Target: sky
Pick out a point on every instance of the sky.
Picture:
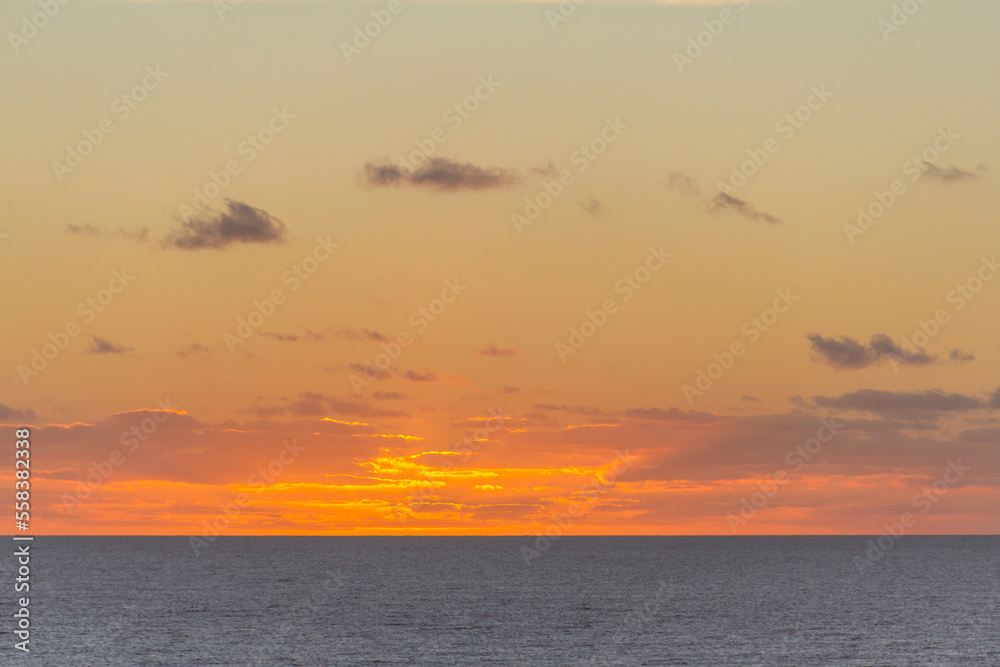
(502, 267)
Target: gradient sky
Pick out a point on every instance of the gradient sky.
(388, 457)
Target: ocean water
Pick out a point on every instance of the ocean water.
(714, 601)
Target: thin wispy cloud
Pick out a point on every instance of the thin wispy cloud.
(729, 203)
(104, 346)
(139, 236)
(848, 353)
(440, 174)
(239, 223)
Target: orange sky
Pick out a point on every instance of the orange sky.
(494, 275)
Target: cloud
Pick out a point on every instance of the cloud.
(724, 202)
(494, 351)
(509, 390)
(312, 404)
(362, 335)
(750, 399)
(423, 376)
(104, 346)
(141, 236)
(682, 183)
(240, 223)
(871, 400)
(195, 350)
(593, 207)
(9, 414)
(953, 174)
(441, 174)
(847, 353)
(958, 356)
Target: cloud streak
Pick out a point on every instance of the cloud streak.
(440, 174)
(239, 223)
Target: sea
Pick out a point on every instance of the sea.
(458, 601)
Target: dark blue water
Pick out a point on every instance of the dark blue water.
(247, 601)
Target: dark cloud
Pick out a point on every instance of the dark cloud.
(724, 202)
(847, 353)
(140, 236)
(669, 415)
(440, 174)
(495, 351)
(240, 223)
(423, 376)
(682, 183)
(194, 350)
(958, 356)
(953, 174)
(593, 207)
(871, 400)
(509, 390)
(995, 398)
(751, 399)
(362, 335)
(312, 404)
(103, 346)
(9, 414)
